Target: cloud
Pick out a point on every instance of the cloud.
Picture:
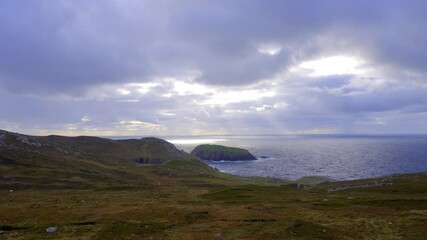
(85, 119)
(66, 46)
(135, 125)
(166, 67)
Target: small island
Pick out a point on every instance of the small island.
(220, 153)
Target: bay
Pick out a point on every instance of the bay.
(341, 157)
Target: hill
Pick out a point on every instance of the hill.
(84, 162)
(218, 153)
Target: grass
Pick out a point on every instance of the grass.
(181, 211)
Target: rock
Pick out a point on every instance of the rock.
(148, 160)
(219, 153)
(52, 229)
(218, 235)
(377, 183)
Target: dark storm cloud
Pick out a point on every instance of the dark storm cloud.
(62, 46)
(65, 46)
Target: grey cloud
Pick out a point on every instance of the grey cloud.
(75, 48)
(391, 99)
(50, 46)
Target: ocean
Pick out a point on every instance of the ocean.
(340, 157)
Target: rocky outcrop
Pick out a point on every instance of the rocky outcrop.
(222, 153)
(376, 183)
(148, 160)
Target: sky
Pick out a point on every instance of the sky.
(199, 67)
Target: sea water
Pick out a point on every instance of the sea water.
(339, 157)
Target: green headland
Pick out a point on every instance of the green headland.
(218, 152)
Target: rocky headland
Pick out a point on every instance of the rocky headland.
(221, 153)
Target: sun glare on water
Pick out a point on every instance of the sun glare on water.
(196, 141)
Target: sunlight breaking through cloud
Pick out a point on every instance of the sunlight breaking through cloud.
(185, 88)
(134, 125)
(335, 65)
(237, 96)
(85, 119)
(270, 49)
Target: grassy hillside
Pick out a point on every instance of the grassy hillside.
(190, 210)
(93, 188)
(88, 162)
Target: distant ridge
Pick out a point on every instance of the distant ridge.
(149, 148)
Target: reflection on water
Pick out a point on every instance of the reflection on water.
(196, 141)
(338, 157)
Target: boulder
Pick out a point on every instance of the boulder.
(51, 229)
